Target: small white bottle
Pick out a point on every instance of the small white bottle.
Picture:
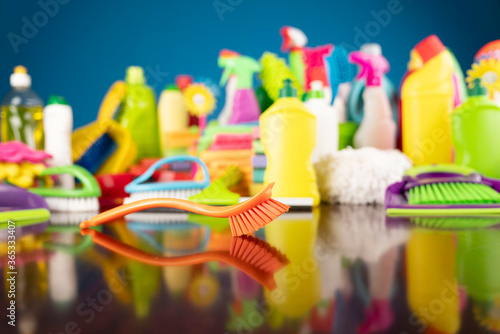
(327, 129)
(58, 125)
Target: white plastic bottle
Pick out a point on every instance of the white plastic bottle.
(327, 128)
(58, 125)
(172, 114)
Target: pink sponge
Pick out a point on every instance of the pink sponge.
(17, 152)
(232, 141)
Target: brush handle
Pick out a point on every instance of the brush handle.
(440, 168)
(202, 209)
(138, 184)
(413, 182)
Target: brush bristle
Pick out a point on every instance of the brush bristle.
(72, 204)
(70, 218)
(178, 194)
(258, 253)
(257, 217)
(453, 193)
(157, 218)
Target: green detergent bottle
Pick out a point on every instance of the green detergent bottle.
(138, 114)
(475, 130)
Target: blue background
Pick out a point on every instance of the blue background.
(87, 45)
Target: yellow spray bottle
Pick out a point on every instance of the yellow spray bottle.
(288, 135)
(427, 97)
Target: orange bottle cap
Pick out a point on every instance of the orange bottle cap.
(429, 47)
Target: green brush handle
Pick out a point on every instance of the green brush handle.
(440, 168)
(90, 187)
(24, 217)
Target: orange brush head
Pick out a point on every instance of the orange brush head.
(256, 216)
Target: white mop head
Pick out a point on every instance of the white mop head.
(359, 176)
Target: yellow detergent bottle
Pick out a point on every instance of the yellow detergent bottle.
(433, 293)
(288, 135)
(427, 97)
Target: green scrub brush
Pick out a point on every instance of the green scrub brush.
(274, 72)
(84, 199)
(443, 190)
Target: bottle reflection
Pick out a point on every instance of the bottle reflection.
(63, 281)
(433, 293)
(30, 280)
(370, 252)
(478, 257)
(146, 279)
(298, 284)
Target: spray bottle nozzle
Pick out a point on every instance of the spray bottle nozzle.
(373, 67)
(242, 66)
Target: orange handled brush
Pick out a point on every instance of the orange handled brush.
(244, 217)
(253, 256)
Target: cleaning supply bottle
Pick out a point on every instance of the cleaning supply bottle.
(294, 41)
(231, 87)
(288, 135)
(377, 128)
(138, 114)
(22, 111)
(475, 129)
(172, 114)
(427, 97)
(58, 126)
(355, 102)
(246, 108)
(327, 125)
(316, 67)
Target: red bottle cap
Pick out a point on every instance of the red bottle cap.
(183, 80)
(429, 47)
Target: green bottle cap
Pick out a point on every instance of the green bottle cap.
(135, 75)
(57, 99)
(316, 90)
(477, 89)
(288, 90)
(171, 86)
